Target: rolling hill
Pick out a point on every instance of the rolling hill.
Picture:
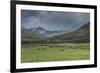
(80, 35)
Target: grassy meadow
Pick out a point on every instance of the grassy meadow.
(54, 52)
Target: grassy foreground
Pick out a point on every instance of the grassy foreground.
(54, 52)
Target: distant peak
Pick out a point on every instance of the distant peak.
(40, 27)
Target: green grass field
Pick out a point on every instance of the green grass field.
(54, 52)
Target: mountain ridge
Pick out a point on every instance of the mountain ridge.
(45, 32)
(80, 35)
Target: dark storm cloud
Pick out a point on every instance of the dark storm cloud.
(53, 20)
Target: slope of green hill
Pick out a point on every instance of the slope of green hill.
(80, 35)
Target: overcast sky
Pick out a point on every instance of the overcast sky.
(52, 20)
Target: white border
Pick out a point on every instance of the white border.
(20, 65)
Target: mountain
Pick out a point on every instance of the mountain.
(45, 32)
(38, 30)
(80, 35)
(27, 36)
(41, 35)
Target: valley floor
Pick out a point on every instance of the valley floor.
(54, 52)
